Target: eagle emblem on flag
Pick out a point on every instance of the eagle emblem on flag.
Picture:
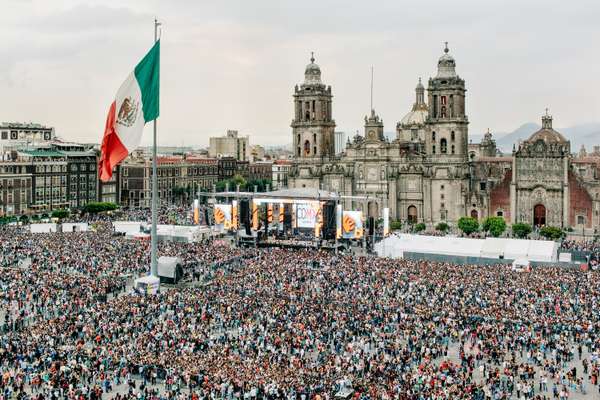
(128, 112)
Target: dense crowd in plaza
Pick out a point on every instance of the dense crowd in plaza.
(270, 323)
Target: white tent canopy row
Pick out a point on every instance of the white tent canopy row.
(534, 250)
(53, 227)
(172, 232)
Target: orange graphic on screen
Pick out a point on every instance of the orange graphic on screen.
(349, 224)
(219, 216)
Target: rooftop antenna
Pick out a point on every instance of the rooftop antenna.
(371, 88)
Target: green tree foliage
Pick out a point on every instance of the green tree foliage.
(468, 225)
(521, 230)
(7, 220)
(60, 214)
(442, 227)
(96, 207)
(420, 227)
(261, 184)
(495, 226)
(395, 225)
(551, 232)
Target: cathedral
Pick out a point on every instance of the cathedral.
(431, 172)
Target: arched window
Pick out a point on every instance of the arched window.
(452, 149)
(452, 136)
(443, 112)
(298, 151)
(433, 149)
(306, 147)
(299, 139)
(443, 146)
(433, 136)
(315, 137)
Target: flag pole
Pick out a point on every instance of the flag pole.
(153, 254)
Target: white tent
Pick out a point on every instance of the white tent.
(43, 228)
(389, 247)
(395, 246)
(542, 250)
(534, 250)
(183, 233)
(127, 226)
(75, 227)
(515, 248)
(148, 284)
(493, 248)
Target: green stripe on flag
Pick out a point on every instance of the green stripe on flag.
(147, 73)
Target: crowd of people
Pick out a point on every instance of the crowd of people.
(293, 324)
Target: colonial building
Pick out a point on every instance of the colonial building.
(177, 178)
(430, 172)
(48, 169)
(280, 170)
(15, 135)
(15, 188)
(82, 177)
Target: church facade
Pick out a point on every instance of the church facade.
(430, 172)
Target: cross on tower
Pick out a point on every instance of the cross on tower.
(446, 47)
(312, 56)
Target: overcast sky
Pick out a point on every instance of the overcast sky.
(233, 64)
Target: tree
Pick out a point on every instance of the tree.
(495, 226)
(179, 192)
(551, 232)
(96, 207)
(521, 230)
(60, 214)
(395, 225)
(442, 227)
(468, 225)
(237, 179)
(420, 227)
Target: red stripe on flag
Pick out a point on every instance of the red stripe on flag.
(112, 151)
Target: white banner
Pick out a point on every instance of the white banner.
(306, 214)
(386, 221)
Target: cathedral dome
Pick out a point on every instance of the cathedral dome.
(419, 112)
(548, 136)
(312, 73)
(415, 117)
(547, 133)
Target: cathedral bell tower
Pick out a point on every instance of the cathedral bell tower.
(447, 132)
(312, 126)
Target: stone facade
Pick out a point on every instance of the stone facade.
(429, 173)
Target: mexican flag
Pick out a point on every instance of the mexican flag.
(135, 104)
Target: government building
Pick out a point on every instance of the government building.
(431, 172)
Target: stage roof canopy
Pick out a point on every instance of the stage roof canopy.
(299, 193)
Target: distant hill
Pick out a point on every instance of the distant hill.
(587, 134)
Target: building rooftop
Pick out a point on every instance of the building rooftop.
(26, 125)
(42, 153)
